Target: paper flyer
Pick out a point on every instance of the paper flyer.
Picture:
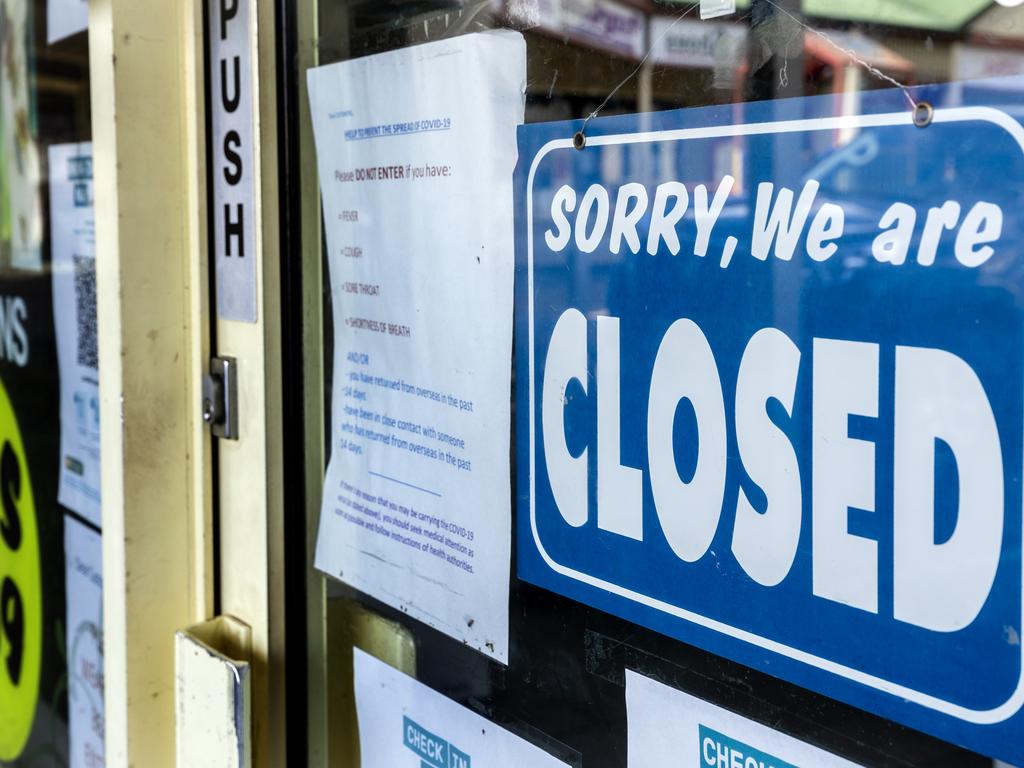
(74, 308)
(65, 18)
(670, 728)
(405, 724)
(83, 557)
(416, 149)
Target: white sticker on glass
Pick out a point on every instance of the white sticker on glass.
(712, 9)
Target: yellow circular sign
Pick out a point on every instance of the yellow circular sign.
(21, 604)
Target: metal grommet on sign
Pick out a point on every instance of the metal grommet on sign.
(923, 114)
(579, 140)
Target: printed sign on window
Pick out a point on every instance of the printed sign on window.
(668, 728)
(73, 254)
(416, 149)
(405, 724)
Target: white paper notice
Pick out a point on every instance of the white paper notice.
(416, 150)
(712, 9)
(65, 18)
(83, 557)
(669, 728)
(73, 248)
(405, 724)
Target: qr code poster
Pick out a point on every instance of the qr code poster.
(73, 249)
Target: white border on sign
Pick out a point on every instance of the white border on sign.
(951, 115)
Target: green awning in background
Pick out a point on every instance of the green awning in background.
(939, 15)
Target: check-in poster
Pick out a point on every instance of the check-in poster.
(406, 724)
(770, 390)
(669, 728)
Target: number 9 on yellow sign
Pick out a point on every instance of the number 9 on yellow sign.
(21, 607)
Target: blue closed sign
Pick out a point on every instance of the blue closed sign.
(770, 391)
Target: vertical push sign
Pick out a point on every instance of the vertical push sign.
(770, 391)
(231, 150)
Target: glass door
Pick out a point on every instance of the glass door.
(601, 72)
